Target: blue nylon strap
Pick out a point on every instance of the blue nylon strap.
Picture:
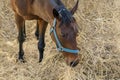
(59, 46)
(68, 50)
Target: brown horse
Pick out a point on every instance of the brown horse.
(63, 31)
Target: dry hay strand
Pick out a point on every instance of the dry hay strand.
(99, 41)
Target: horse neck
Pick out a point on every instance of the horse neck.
(45, 8)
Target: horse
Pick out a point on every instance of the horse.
(64, 28)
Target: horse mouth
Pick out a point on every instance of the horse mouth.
(74, 64)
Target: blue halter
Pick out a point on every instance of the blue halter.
(58, 44)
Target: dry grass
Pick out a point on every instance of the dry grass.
(99, 40)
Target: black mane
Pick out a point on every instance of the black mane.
(66, 16)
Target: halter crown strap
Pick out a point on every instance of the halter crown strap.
(58, 44)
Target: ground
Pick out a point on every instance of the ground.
(99, 41)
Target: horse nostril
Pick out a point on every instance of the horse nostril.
(73, 64)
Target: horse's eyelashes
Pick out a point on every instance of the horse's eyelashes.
(62, 34)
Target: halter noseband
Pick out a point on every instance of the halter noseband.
(58, 44)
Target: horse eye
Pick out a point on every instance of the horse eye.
(63, 35)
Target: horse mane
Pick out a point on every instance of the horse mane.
(59, 2)
(65, 16)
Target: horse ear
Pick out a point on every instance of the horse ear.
(55, 13)
(74, 8)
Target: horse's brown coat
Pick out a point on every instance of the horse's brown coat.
(42, 11)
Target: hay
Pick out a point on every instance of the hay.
(99, 40)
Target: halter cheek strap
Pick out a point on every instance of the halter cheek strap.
(58, 44)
